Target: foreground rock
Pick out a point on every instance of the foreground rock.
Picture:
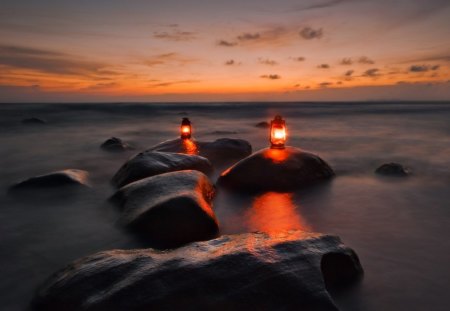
(70, 178)
(276, 169)
(115, 144)
(149, 163)
(34, 120)
(254, 271)
(393, 169)
(170, 209)
(221, 152)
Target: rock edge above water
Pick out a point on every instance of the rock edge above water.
(256, 271)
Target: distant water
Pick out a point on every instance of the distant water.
(399, 228)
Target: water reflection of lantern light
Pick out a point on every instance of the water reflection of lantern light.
(186, 128)
(277, 133)
(274, 212)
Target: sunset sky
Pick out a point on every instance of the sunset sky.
(199, 50)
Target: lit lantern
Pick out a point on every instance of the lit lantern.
(277, 133)
(186, 128)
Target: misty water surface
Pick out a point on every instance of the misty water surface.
(398, 227)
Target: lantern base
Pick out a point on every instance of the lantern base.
(277, 146)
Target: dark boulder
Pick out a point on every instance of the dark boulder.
(225, 151)
(34, 120)
(393, 169)
(276, 170)
(170, 209)
(59, 179)
(263, 125)
(150, 163)
(115, 144)
(221, 152)
(253, 271)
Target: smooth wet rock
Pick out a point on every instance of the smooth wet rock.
(276, 170)
(263, 125)
(223, 132)
(151, 163)
(115, 144)
(66, 178)
(34, 120)
(170, 209)
(221, 152)
(225, 151)
(177, 145)
(393, 169)
(254, 271)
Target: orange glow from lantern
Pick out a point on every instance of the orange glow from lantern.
(275, 212)
(186, 128)
(276, 155)
(277, 133)
(189, 146)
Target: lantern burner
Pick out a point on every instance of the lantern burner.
(186, 129)
(277, 133)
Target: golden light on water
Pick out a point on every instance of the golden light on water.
(274, 212)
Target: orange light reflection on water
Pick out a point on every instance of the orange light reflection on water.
(274, 212)
(189, 146)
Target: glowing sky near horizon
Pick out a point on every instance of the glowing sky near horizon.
(224, 50)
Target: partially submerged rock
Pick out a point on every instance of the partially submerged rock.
(178, 145)
(393, 169)
(65, 178)
(221, 152)
(263, 125)
(277, 170)
(225, 151)
(170, 209)
(150, 163)
(115, 144)
(254, 271)
(34, 120)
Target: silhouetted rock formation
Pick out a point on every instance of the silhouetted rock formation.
(393, 169)
(34, 120)
(58, 179)
(221, 152)
(150, 163)
(263, 125)
(276, 169)
(170, 209)
(225, 151)
(115, 144)
(253, 271)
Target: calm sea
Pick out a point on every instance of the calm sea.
(399, 227)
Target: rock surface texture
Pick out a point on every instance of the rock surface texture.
(393, 169)
(58, 179)
(34, 120)
(276, 170)
(225, 151)
(151, 163)
(254, 271)
(221, 152)
(170, 209)
(263, 125)
(115, 144)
